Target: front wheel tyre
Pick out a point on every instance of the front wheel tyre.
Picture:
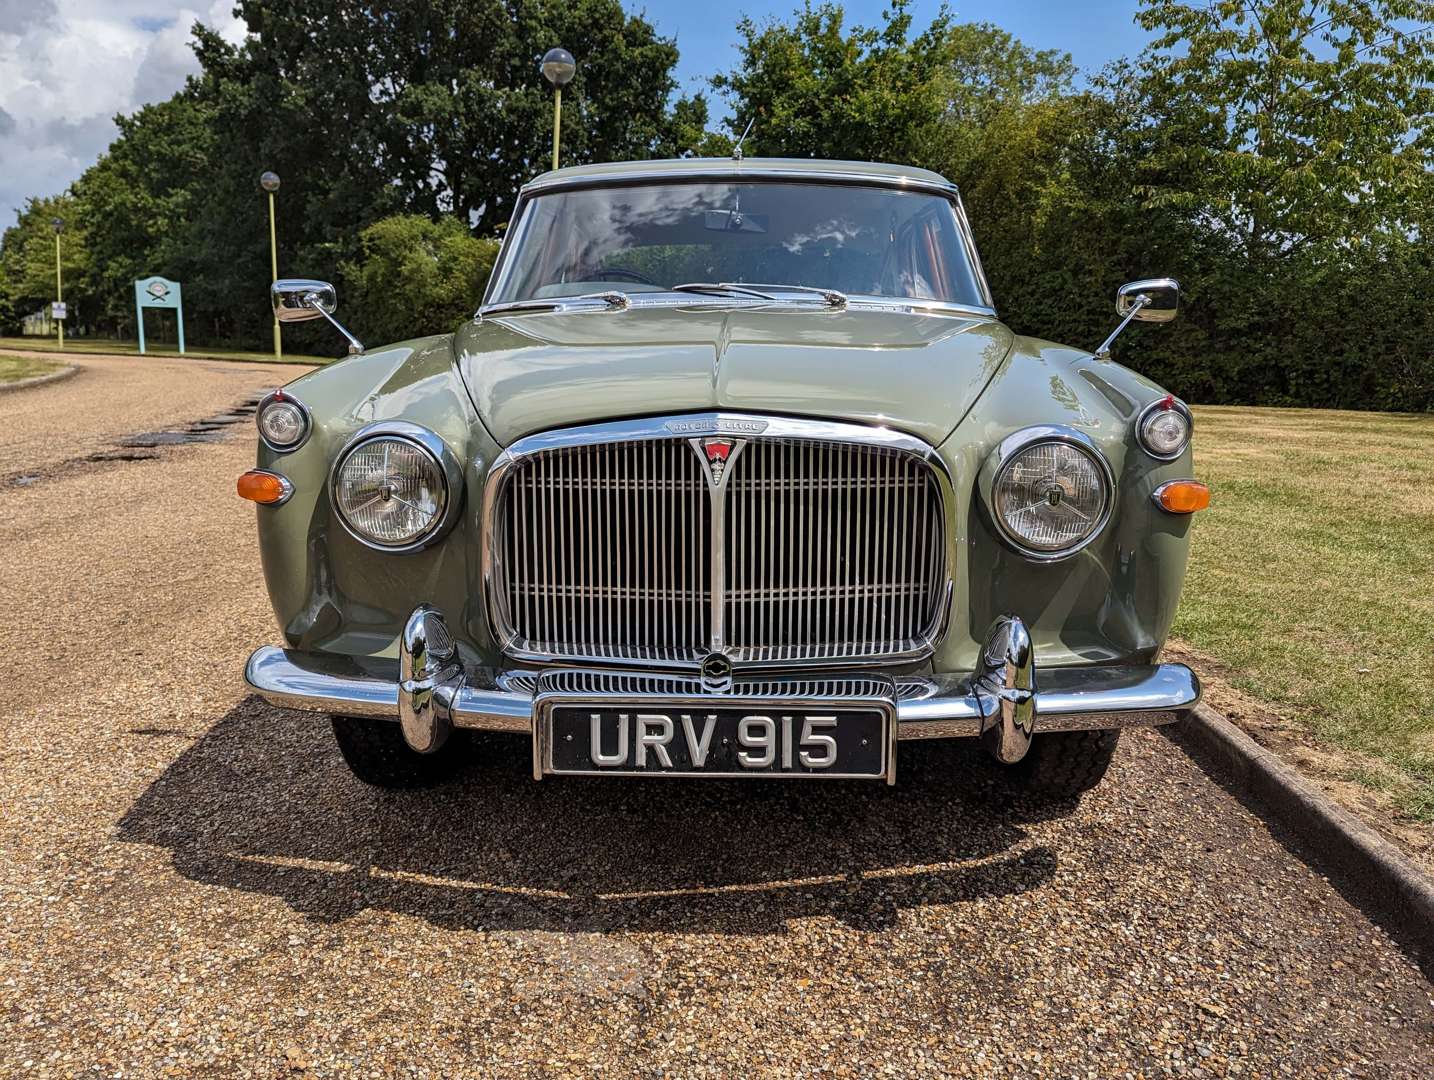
(1064, 765)
(375, 752)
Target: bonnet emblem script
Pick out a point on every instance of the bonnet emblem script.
(716, 425)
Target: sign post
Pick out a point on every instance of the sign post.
(58, 307)
(158, 292)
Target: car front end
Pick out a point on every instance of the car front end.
(728, 529)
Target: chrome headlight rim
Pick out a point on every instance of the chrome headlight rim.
(276, 396)
(1160, 405)
(433, 446)
(1004, 457)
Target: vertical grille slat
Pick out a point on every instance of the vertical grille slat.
(832, 551)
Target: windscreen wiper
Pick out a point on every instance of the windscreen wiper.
(598, 301)
(720, 288)
(831, 296)
(762, 292)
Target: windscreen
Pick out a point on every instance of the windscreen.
(649, 237)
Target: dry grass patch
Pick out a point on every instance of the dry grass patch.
(111, 347)
(15, 368)
(1312, 579)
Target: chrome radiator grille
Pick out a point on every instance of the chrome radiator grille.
(607, 552)
(833, 551)
(815, 550)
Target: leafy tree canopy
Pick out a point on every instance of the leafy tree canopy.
(812, 88)
(1290, 122)
(27, 258)
(414, 275)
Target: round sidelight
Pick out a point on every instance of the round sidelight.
(1052, 496)
(1163, 428)
(283, 421)
(391, 491)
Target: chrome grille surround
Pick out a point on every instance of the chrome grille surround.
(749, 558)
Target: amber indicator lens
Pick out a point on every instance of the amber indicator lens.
(1183, 496)
(259, 486)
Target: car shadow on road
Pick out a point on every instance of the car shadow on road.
(262, 802)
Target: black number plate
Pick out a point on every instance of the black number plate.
(750, 740)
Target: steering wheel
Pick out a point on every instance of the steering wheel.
(620, 273)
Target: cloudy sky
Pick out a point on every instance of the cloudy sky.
(68, 66)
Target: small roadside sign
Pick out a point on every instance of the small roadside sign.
(57, 310)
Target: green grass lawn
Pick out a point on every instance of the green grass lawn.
(107, 345)
(1312, 578)
(15, 368)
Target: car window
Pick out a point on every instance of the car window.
(650, 237)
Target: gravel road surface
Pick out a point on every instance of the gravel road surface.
(191, 883)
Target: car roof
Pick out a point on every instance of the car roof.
(743, 168)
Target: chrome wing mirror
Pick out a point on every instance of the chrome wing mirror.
(301, 299)
(1155, 300)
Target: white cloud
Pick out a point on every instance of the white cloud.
(68, 66)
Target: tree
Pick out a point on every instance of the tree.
(415, 276)
(1290, 122)
(27, 261)
(989, 71)
(137, 202)
(429, 107)
(813, 89)
(441, 101)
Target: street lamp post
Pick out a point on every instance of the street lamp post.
(558, 67)
(270, 183)
(59, 284)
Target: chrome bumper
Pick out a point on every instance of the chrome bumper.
(994, 703)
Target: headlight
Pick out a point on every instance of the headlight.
(1052, 495)
(283, 421)
(391, 491)
(1163, 428)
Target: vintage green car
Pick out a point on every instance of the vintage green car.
(734, 473)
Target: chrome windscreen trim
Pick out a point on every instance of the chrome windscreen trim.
(901, 305)
(752, 428)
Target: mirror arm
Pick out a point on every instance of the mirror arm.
(311, 300)
(1103, 353)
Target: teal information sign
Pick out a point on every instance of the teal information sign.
(158, 292)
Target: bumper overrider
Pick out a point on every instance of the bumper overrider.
(1000, 703)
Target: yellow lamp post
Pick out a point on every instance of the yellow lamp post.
(270, 183)
(558, 67)
(59, 284)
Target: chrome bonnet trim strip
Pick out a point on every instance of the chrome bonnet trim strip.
(928, 707)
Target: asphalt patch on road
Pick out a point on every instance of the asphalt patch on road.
(145, 445)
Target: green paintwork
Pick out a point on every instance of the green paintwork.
(532, 373)
(960, 382)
